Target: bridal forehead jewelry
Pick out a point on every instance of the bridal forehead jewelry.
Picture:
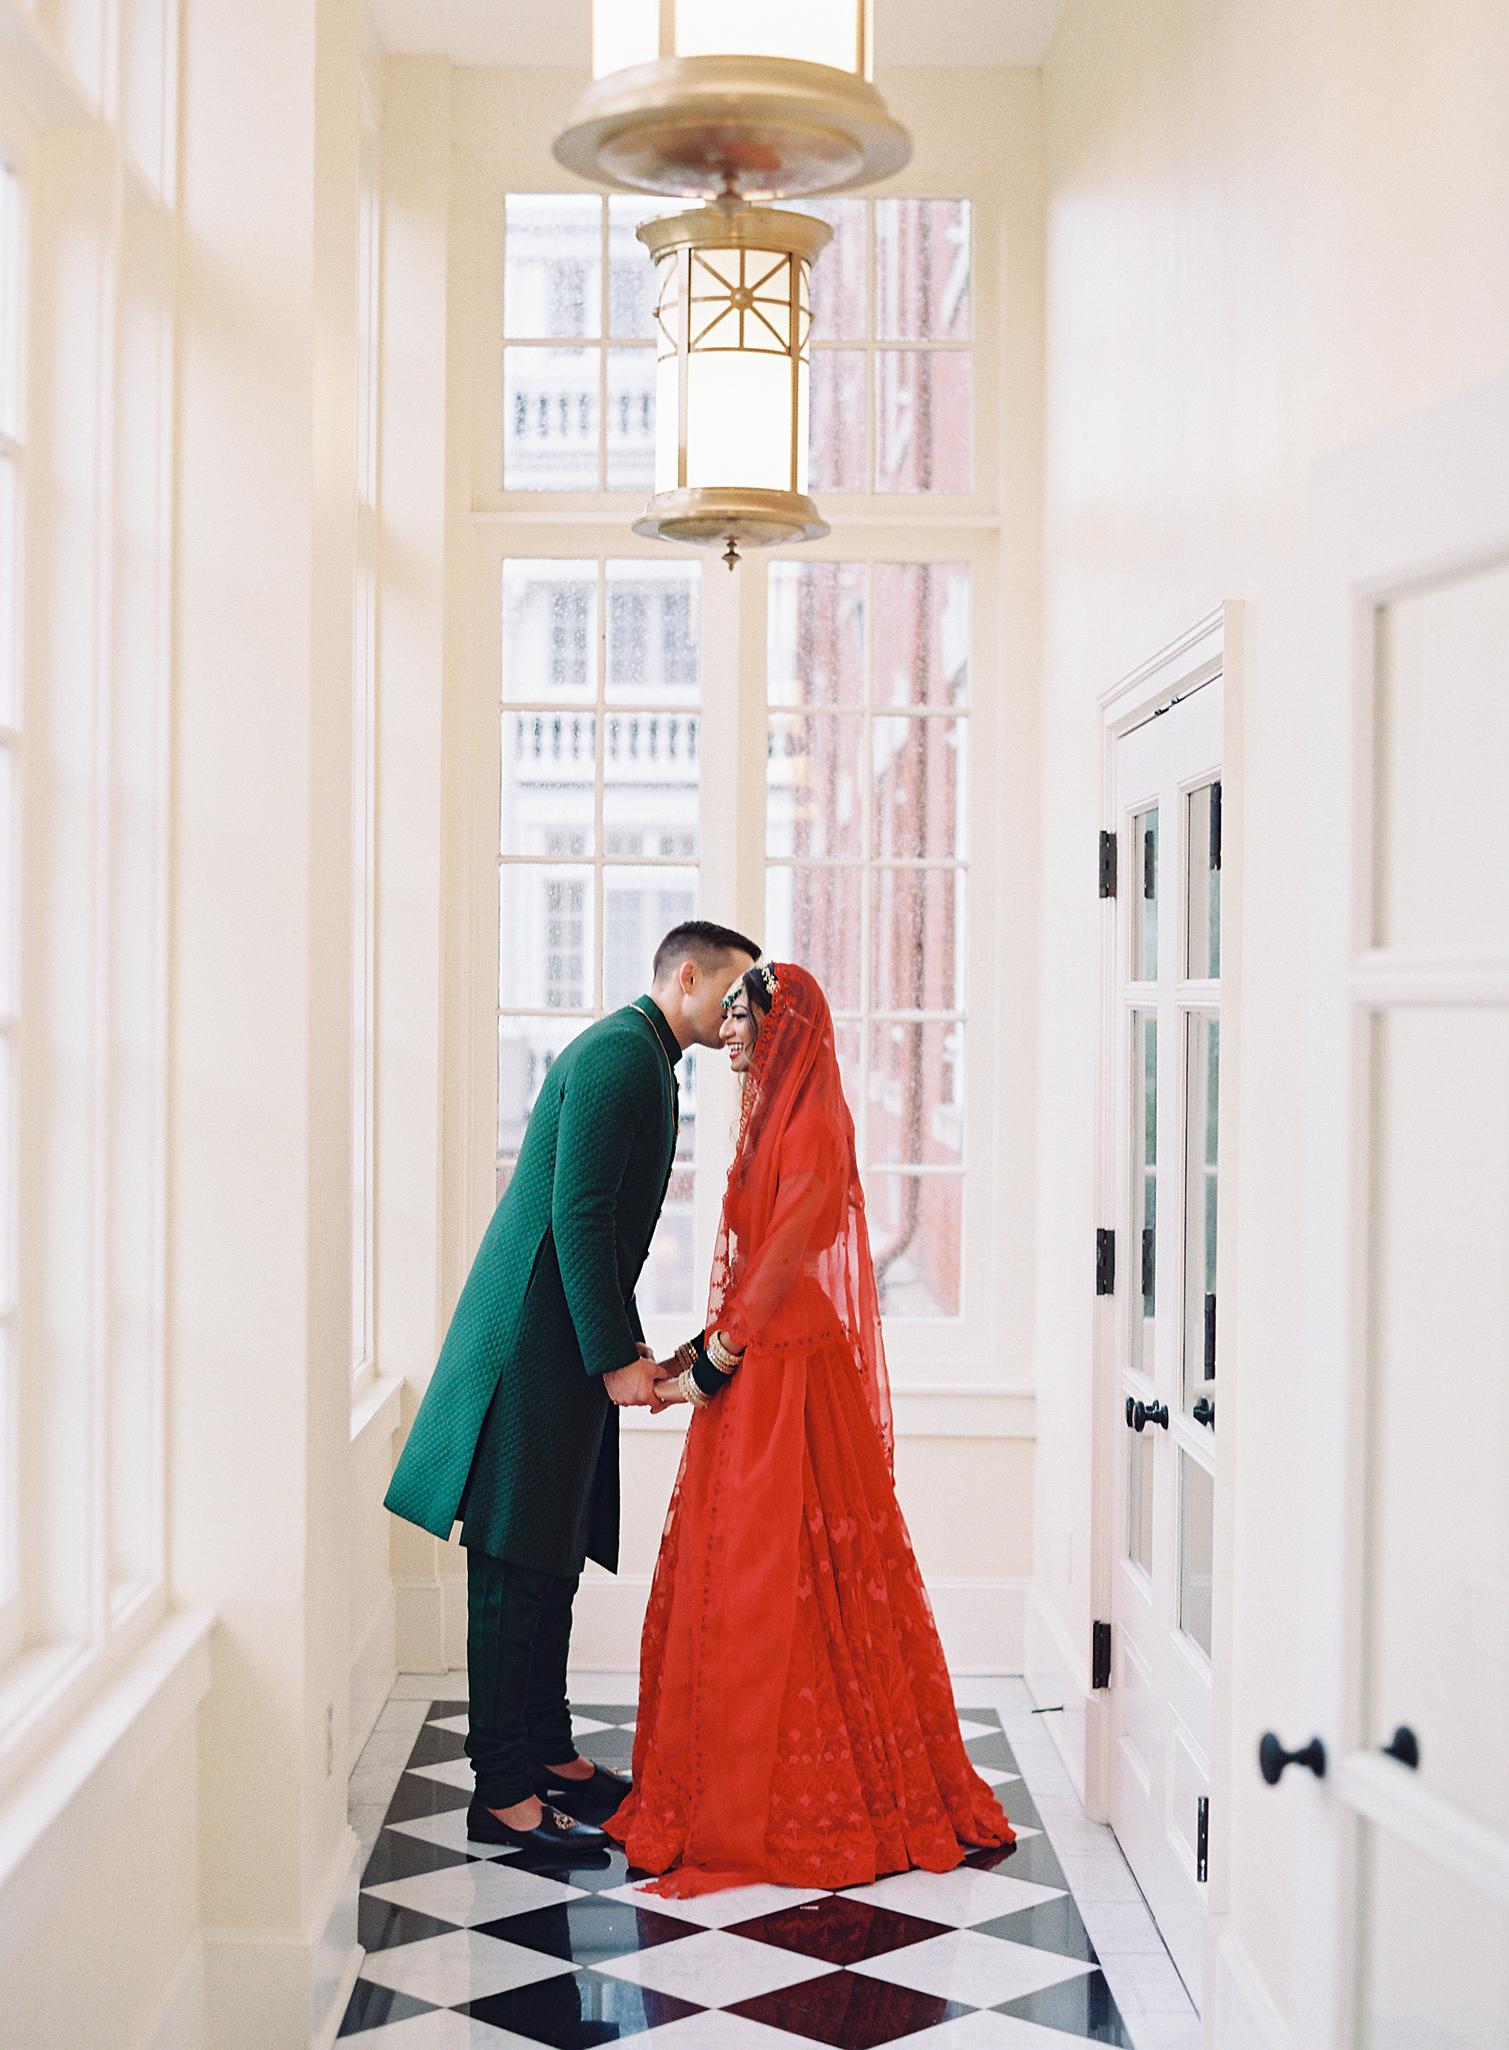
(767, 976)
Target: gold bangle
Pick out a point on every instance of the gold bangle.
(686, 1355)
(722, 1358)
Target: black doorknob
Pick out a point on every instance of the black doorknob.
(1204, 1412)
(1158, 1414)
(1405, 1746)
(1272, 1758)
(1140, 1414)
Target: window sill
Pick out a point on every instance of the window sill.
(49, 1818)
(375, 1409)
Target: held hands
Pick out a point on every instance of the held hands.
(640, 1385)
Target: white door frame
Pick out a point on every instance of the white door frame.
(1209, 648)
(1423, 502)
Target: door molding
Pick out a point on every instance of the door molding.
(1425, 502)
(1208, 648)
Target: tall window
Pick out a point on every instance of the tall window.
(11, 458)
(828, 693)
(364, 737)
(599, 832)
(868, 689)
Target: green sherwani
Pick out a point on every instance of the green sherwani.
(516, 1435)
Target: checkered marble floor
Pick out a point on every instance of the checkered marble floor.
(469, 1949)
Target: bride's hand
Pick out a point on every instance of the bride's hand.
(667, 1389)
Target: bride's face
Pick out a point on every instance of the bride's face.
(740, 1028)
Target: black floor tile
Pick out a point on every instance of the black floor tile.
(436, 1747)
(839, 1930)
(587, 1931)
(1052, 1925)
(415, 1796)
(578, 2009)
(396, 1856)
(1080, 2007)
(849, 2011)
(371, 2006)
(380, 1925)
(613, 1870)
(1031, 1858)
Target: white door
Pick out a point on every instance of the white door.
(1406, 1892)
(1165, 1068)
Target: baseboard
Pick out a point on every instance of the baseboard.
(177, 2019)
(982, 1623)
(1059, 1680)
(272, 1986)
(1241, 2012)
(374, 1666)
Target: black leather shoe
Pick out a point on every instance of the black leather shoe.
(595, 1798)
(556, 1835)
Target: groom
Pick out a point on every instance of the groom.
(517, 1434)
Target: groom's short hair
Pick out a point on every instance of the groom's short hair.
(703, 942)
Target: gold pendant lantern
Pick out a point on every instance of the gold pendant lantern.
(763, 101)
(733, 318)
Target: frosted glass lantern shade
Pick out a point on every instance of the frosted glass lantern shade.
(831, 32)
(733, 317)
(698, 97)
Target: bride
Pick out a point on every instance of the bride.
(796, 1721)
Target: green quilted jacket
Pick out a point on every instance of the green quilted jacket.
(515, 1435)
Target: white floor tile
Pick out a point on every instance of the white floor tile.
(386, 1748)
(449, 1831)
(968, 1729)
(958, 1898)
(403, 1715)
(1119, 1928)
(372, 1785)
(584, 1725)
(1149, 1986)
(716, 1910)
(452, 1772)
(993, 1776)
(442, 2029)
(981, 1971)
(717, 2031)
(715, 1968)
(458, 1725)
(984, 2031)
(1096, 1875)
(479, 1892)
(458, 1966)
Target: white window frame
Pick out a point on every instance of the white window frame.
(941, 1356)
(366, 601)
(96, 668)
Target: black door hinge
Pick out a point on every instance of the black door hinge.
(1105, 1262)
(1202, 1838)
(1215, 825)
(1149, 1266)
(1108, 864)
(1100, 1655)
(1210, 1338)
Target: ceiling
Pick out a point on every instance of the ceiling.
(529, 32)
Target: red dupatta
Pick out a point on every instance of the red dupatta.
(793, 1283)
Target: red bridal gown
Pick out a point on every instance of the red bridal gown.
(796, 1720)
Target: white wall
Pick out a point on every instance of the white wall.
(1272, 229)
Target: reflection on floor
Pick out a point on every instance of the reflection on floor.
(1036, 1948)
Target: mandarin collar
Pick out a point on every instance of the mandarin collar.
(668, 1039)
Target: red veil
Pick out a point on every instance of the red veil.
(796, 1719)
(794, 1208)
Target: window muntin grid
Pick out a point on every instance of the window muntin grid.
(892, 399)
(866, 879)
(599, 807)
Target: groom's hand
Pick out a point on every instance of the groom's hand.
(631, 1386)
